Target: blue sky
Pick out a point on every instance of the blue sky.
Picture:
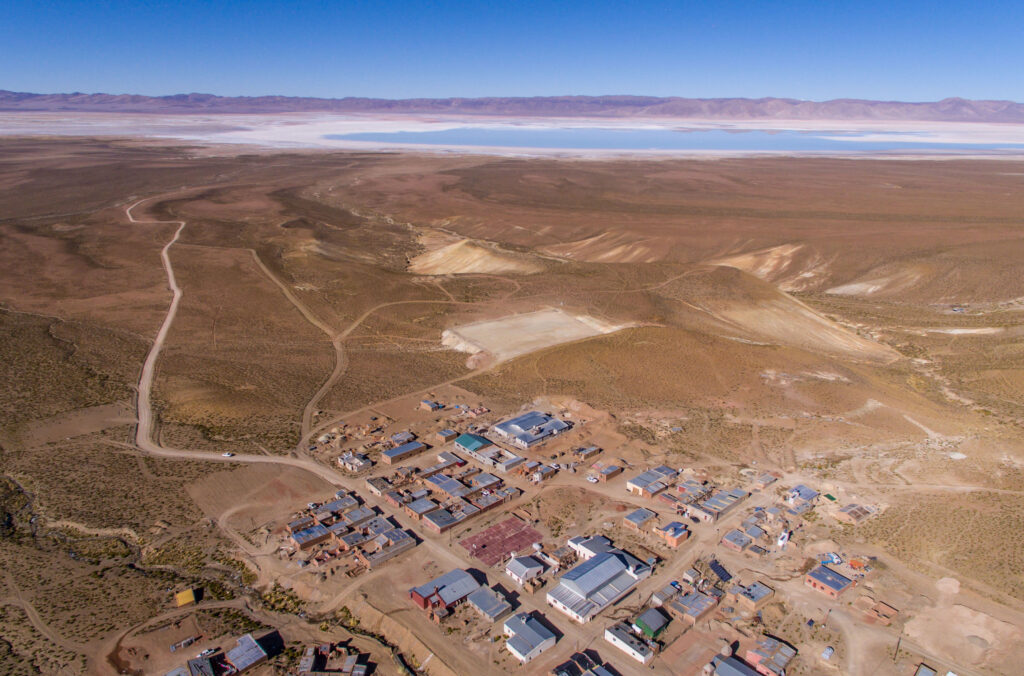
(910, 50)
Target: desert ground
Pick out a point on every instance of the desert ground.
(851, 324)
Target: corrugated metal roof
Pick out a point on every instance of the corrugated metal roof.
(520, 566)
(246, 653)
(489, 603)
(452, 586)
(527, 632)
(472, 442)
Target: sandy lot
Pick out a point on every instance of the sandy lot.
(519, 334)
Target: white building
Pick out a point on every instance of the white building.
(588, 547)
(622, 638)
(527, 637)
(594, 585)
(523, 568)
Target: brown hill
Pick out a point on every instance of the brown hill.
(946, 110)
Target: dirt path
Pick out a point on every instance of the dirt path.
(19, 600)
(121, 532)
(144, 430)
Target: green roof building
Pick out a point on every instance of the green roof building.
(651, 622)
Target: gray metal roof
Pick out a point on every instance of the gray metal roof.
(531, 427)
(738, 538)
(489, 603)
(399, 451)
(520, 566)
(422, 506)
(653, 619)
(802, 492)
(623, 634)
(527, 632)
(640, 516)
(595, 584)
(658, 474)
(756, 591)
(246, 653)
(732, 666)
(694, 604)
(450, 587)
(441, 518)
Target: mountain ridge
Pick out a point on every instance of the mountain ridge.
(612, 106)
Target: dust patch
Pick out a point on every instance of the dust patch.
(516, 335)
(963, 634)
(791, 267)
(790, 322)
(901, 280)
(467, 256)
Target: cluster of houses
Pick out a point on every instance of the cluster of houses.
(687, 496)
(345, 525)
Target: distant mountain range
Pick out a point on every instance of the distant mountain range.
(949, 110)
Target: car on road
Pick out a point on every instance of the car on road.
(208, 651)
(227, 454)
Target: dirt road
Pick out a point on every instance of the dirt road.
(144, 430)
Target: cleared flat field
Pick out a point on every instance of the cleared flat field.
(519, 334)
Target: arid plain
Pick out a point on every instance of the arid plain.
(852, 324)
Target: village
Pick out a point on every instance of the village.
(685, 571)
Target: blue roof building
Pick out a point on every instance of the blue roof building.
(827, 581)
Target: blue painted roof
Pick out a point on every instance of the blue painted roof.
(830, 578)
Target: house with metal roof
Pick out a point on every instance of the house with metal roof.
(692, 490)
(588, 547)
(523, 568)
(692, 607)
(664, 595)
(638, 518)
(770, 656)
(439, 520)
(723, 502)
(674, 533)
(489, 603)
(801, 494)
(754, 596)
(593, 585)
(530, 429)
(445, 591)
(471, 443)
(736, 540)
(417, 508)
(622, 638)
(305, 539)
(358, 516)
(581, 664)
(651, 622)
(400, 438)
(827, 581)
(651, 482)
(731, 666)
(527, 637)
(402, 452)
(246, 654)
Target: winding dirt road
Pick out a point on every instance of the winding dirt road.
(144, 429)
